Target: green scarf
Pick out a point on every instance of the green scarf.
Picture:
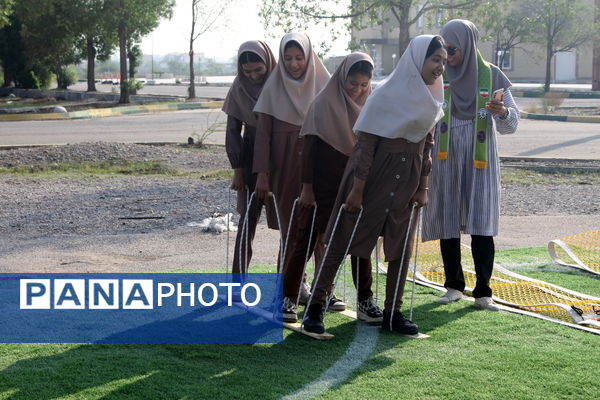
(480, 134)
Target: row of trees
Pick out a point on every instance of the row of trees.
(42, 37)
(555, 25)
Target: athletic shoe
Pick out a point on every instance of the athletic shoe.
(399, 324)
(370, 312)
(486, 303)
(304, 293)
(450, 296)
(314, 319)
(336, 305)
(289, 310)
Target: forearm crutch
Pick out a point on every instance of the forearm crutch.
(245, 228)
(244, 236)
(307, 256)
(316, 283)
(227, 239)
(414, 276)
(410, 220)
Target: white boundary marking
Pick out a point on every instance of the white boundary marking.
(357, 353)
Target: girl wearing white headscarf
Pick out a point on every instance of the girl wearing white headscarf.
(387, 174)
(255, 63)
(281, 108)
(465, 181)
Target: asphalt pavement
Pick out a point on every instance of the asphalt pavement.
(171, 250)
(534, 138)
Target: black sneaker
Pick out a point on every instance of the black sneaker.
(314, 319)
(399, 324)
(288, 310)
(369, 312)
(336, 305)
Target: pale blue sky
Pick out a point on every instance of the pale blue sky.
(244, 24)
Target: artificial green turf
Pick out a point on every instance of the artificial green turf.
(470, 354)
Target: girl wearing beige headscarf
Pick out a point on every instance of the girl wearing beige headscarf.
(255, 64)
(328, 140)
(387, 173)
(281, 108)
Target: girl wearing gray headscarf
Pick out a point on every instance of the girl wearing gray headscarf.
(465, 178)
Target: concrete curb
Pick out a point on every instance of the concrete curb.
(112, 112)
(127, 110)
(568, 95)
(561, 118)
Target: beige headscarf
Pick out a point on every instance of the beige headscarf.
(333, 113)
(242, 95)
(403, 106)
(286, 98)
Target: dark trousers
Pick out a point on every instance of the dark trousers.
(482, 249)
(296, 254)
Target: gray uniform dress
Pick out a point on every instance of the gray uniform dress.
(462, 198)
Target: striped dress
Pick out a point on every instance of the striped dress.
(462, 198)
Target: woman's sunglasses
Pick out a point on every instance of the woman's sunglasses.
(451, 50)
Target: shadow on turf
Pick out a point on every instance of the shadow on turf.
(192, 371)
(195, 370)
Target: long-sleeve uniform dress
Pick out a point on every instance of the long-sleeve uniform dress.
(392, 169)
(240, 151)
(277, 152)
(323, 167)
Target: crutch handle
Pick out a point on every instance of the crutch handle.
(343, 207)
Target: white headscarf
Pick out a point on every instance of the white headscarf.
(403, 106)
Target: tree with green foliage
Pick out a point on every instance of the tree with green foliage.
(6, 9)
(49, 31)
(561, 25)
(19, 69)
(135, 19)
(134, 56)
(507, 24)
(97, 34)
(358, 15)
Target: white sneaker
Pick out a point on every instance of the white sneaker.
(450, 296)
(486, 303)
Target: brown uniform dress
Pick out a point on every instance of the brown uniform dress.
(240, 151)
(323, 167)
(392, 169)
(277, 151)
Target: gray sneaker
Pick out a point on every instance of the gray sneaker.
(289, 310)
(370, 312)
(450, 296)
(304, 293)
(486, 303)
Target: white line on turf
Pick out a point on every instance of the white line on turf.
(359, 350)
